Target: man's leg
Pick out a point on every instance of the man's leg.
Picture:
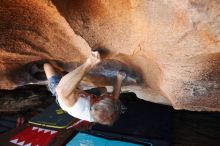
(49, 70)
(53, 78)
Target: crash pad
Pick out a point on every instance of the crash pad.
(33, 136)
(92, 140)
(53, 117)
(7, 123)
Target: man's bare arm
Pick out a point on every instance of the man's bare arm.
(117, 86)
(68, 84)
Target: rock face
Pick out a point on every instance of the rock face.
(24, 99)
(170, 49)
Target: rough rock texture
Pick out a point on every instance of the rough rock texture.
(24, 99)
(169, 48)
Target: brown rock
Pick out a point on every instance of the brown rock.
(170, 49)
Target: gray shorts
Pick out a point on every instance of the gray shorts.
(52, 84)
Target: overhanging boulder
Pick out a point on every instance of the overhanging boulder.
(170, 49)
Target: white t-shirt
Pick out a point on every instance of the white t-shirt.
(80, 110)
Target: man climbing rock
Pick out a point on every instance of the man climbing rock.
(103, 109)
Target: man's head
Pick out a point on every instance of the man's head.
(106, 111)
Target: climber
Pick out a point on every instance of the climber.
(104, 108)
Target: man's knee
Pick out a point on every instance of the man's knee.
(49, 70)
(47, 67)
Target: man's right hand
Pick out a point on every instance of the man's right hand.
(121, 75)
(94, 58)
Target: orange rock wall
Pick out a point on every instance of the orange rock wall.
(171, 47)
